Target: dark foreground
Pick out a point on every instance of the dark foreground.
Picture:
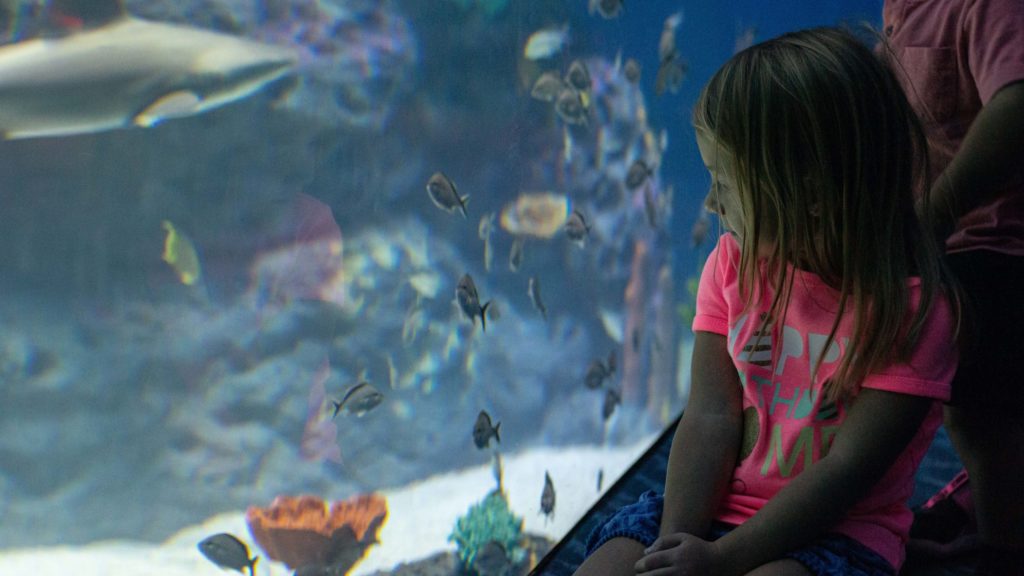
(648, 473)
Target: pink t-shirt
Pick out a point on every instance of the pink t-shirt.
(787, 424)
(956, 55)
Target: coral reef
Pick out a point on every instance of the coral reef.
(301, 531)
(489, 520)
(539, 214)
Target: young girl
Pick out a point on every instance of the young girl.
(825, 337)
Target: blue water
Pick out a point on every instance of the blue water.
(185, 294)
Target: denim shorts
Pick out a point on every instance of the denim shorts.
(830, 555)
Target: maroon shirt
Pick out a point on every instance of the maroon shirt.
(956, 54)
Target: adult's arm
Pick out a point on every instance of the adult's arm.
(990, 157)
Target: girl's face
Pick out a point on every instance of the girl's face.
(723, 198)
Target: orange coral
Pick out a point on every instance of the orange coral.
(540, 214)
(301, 531)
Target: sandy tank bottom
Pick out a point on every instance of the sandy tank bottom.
(420, 518)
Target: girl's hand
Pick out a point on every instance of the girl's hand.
(680, 554)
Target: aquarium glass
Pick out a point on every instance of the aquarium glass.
(355, 282)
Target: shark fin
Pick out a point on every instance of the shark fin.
(72, 15)
(172, 105)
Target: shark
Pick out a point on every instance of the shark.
(105, 69)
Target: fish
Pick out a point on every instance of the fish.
(608, 9)
(469, 300)
(115, 71)
(631, 71)
(600, 478)
(483, 430)
(598, 371)
(596, 374)
(671, 73)
(515, 254)
(667, 40)
(611, 400)
(699, 231)
(570, 107)
(671, 66)
(484, 230)
(578, 76)
(444, 195)
(576, 227)
(358, 400)
(545, 43)
(180, 254)
(547, 87)
(320, 434)
(533, 291)
(637, 174)
(228, 552)
(612, 322)
(547, 497)
(492, 560)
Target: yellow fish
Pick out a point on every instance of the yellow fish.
(181, 255)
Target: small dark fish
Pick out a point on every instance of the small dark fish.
(578, 76)
(576, 227)
(547, 87)
(515, 253)
(637, 174)
(533, 290)
(596, 373)
(611, 400)
(570, 106)
(700, 229)
(667, 40)
(547, 497)
(600, 479)
(671, 73)
(611, 365)
(469, 301)
(483, 430)
(492, 560)
(608, 9)
(229, 552)
(359, 400)
(445, 196)
(631, 70)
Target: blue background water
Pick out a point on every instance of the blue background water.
(124, 389)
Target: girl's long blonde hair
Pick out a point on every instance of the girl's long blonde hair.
(828, 155)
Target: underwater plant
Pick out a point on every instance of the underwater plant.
(489, 520)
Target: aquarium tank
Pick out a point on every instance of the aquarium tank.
(345, 286)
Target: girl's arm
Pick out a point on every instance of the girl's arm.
(706, 442)
(878, 426)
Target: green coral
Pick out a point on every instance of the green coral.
(490, 519)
